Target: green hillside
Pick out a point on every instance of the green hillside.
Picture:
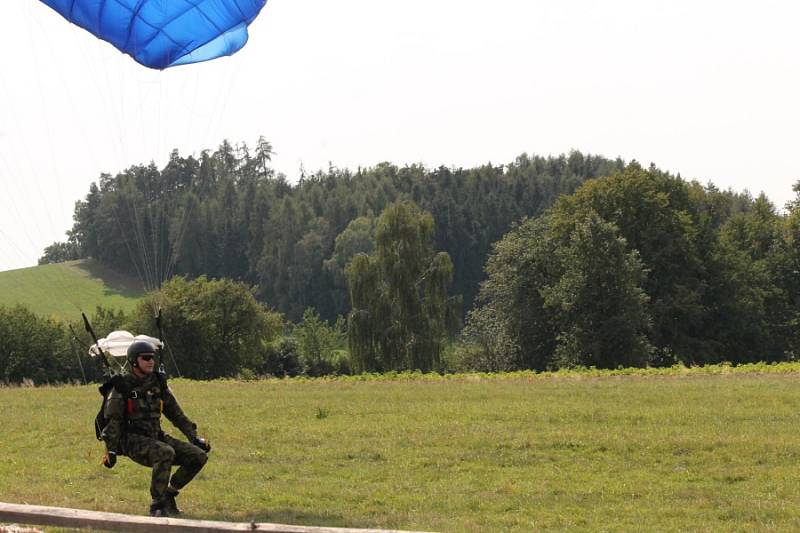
(63, 290)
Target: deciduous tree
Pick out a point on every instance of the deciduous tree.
(401, 313)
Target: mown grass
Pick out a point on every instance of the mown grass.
(686, 451)
(64, 290)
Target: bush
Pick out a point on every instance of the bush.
(246, 375)
(281, 359)
(485, 346)
(33, 348)
(212, 328)
(317, 345)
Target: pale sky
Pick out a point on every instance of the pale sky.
(707, 89)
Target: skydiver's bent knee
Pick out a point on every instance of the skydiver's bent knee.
(162, 453)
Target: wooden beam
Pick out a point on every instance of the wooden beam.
(76, 518)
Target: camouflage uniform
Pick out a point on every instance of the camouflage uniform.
(134, 429)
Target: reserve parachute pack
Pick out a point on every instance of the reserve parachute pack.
(100, 421)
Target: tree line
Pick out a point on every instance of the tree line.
(546, 262)
(642, 268)
(227, 214)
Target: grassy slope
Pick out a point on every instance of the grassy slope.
(691, 453)
(63, 290)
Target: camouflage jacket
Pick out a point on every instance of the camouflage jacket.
(139, 411)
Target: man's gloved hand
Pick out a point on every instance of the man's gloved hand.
(202, 443)
(110, 459)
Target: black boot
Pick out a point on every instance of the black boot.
(170, 506)
(157, 509)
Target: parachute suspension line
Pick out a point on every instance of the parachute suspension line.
(176, 239)
(53, 275)
(100, 79)
(130, 195)
(148, 216)
(56, 272)
(43, 105)
(72, 340)
(170, 197)
(112, 125)
(157, 235)
(233, 71)
(178, 224)
(14, 245)
(116, 118)
(67, 86)
(12, 200)
(28, 160)
(140, 271)
(155, 203)
(213, 121)
(158, 231)
(166, 213)
(172, 357)
(153, 216)
(195, 141)
(151, 220)
(150, 223)
(178, 242)
(41, 98)
(123, 204)
(159, 114)
(164, 197)
(145, 252)
(128, 192)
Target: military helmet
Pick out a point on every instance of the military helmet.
(139, 348)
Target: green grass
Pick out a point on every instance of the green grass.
(64, 290)
(691, 451)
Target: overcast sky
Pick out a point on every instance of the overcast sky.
(708, 89)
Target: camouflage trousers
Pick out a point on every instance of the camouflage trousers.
(161, 454)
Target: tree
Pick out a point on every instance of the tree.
(794, 204)
(654, 213)
(225, 213)
(58, 252)
(357, 237)
(784, 268)
(486, 345)
(790, 281)
(559, 298)
(317, 343)
(600, 305)
(263, 157)
(32, 347)
(750, 305)
(212, 328)
(401, 313)
(521, 264)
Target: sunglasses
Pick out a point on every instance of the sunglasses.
(146, 357)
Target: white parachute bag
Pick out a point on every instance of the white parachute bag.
(116, 344)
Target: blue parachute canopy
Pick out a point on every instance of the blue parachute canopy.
(164, 33)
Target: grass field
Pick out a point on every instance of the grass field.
(64, 290)
(681, 453)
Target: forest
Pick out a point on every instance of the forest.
(225, 214)
(541, 263)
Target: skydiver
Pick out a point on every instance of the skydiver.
(134, 429)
